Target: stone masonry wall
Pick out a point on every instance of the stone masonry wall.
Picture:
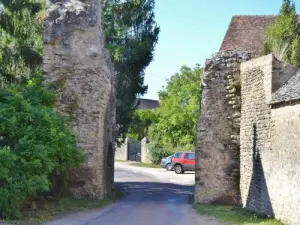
(284, 159)
(217, 145)
(145, 154)
(122, 151)
(268, 155)
(77, 66)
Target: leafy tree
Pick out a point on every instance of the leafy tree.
(20, 39)
(295, 57)
(35, 145)
(142, 119)
(36, 149)
(282, 37)
(178, 111)
(131, 35)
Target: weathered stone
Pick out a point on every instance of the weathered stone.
(236, 115)
(230, 95)
(215, 150)
(235, 137)
(145, 153)
(77, 65)
(232, 90)
(270, 142)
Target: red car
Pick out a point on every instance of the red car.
(183, 161)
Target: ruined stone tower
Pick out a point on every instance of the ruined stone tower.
(77, 65)
(217, 145)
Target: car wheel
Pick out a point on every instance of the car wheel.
(178, 169)
(169, 167)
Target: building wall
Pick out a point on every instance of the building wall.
(77, 66)
(268, 144)
(254, 134)
(284, 159)
(217, 144)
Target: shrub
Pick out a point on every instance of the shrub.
(157, 153)
(34, 145)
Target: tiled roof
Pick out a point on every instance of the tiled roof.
(247, 33)
(288, 92)
(142, 103)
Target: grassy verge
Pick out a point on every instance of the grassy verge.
(51, 208)
(140, 164)
(234, 215)
(119, 160)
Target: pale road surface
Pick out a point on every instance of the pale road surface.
(147, 201)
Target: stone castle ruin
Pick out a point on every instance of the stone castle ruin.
(247, 149)
(77, 66)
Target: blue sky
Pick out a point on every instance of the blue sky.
(192, 30)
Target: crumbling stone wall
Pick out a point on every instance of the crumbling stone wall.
(269, 156)
(77, 66)
(217, 145)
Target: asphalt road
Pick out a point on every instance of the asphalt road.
(147, 201)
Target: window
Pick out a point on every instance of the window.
(190, 156)
(177, 155)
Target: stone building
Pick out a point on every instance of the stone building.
(77, 66)
(248, 130)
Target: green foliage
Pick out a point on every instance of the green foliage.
(36, 149)
(141, 121)
(34, 145)
(282, 37)
(131, 35)
(234, 215)
(178, 111)
(157, 152)
(295, 57)
(21, 42)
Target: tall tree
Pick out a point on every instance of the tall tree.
(20, 39)
(141, 121)
(282, 37)
(131, 35)
(179, 109)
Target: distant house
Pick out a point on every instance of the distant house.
(142, 103)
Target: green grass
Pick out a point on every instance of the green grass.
(50, 208)
(119, 160)
(140, 164)
(234, 215)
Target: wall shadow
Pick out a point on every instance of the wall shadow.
(258, 199)
(156, 192)
(109, 168)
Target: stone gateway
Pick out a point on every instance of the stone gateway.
(78, 67)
